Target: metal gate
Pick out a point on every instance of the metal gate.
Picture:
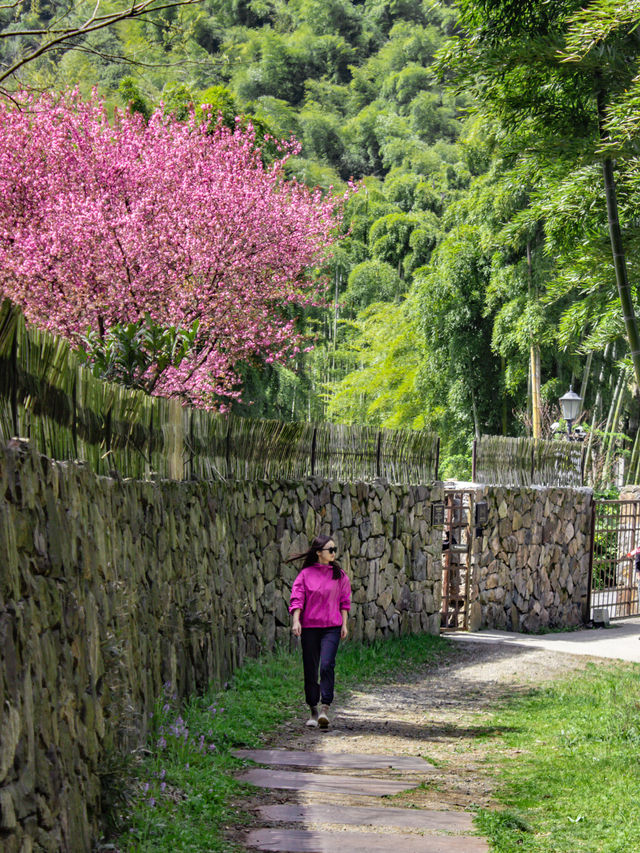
(614, 582)
(456, 560)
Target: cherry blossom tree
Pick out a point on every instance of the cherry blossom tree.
(106, 222)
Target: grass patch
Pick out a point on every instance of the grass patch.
(182, 793)
(573, 784)
(565, 756)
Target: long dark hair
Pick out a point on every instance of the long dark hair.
(311, 555)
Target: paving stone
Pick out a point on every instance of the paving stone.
(301, 841)
(351, 761)
(427, 819)
(292, 781)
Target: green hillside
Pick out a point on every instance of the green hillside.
(476, 253)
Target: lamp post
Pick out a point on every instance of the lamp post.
(570, 405)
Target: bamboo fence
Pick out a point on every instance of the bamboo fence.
(527, 461)
(49, 397)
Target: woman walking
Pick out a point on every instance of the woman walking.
(320, 604)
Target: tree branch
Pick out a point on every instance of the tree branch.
(136, 10)
(114, 57)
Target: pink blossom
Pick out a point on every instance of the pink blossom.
(103, 221)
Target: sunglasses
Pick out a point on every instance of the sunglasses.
(330, 550)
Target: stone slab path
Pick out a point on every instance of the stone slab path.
(339, 760)
(410, 830)
(363, 816)
(290, 781)
(321, 792)
(300, 841)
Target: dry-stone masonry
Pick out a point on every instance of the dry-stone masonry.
(532, 558)
(109, 589)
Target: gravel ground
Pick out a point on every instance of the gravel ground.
(438, 714)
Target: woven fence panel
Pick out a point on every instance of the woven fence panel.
(6, 418)
(409, 456)
(155, 441)
(346, 452)
(500, 459)
(50, 397)
(526, 461)
(260, 449)
(558, 463)
(95, 400)
(290, 451)
(43, 391)
(129, 432)
(205, 438)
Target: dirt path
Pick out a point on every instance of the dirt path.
(438, 714)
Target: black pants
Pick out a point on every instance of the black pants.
(319, 648)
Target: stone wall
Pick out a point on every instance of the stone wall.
(532, 559)
(109, 589)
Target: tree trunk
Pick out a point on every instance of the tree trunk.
(612, 423)
(636, 471)
(534, 357)
(617, 248)
(620, 265)
(476, 424)
(529, 407)
(338, 278)
(536, 418)
(505, 412)
(632, 473)
(597, 407)
(585, 379)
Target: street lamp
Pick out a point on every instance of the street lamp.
(570, 405)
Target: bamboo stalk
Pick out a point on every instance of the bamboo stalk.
(536, 411)
(585, 378)
(535, 392)
(633, 462)
(616, 405)
(636, 478)
(597, 406)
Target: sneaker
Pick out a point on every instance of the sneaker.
(312, 722)
(323, 719)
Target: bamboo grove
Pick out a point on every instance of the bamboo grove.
(489, 258)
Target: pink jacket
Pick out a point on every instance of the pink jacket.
(319, 597)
